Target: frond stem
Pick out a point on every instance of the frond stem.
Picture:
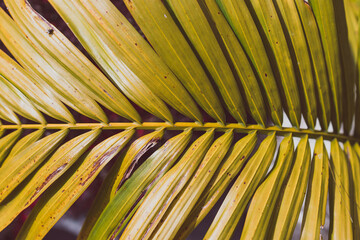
(183, 125)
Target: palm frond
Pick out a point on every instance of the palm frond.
(209, 82)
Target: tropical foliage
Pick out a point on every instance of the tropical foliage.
(210, 82)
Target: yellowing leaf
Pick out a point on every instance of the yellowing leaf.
(67, 189)
(232, 208)
(81, 70)
(22, 165)
(290, 203)
(51, 170)
(6, 144)
(339, 192)
(315, 204)
(230, 167)
(263, 203)
(24, 143)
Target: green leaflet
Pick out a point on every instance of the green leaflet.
(88, 78)
(291, 200)
(143, 179)
(51, 170)
(241, 192)
(239, 18)
(50, 73)
(230, 167)
(198, 30)
(176, 215)
(166, 38)
(6, 144)
(324, 15)
(263, 202)
(302, 60)
(317, 191)
(158, 199)
(25, 82)
(245, 75)
(271, 26)
(67, 189)
(318, 62)
(339, 189)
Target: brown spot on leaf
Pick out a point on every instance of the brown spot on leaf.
(108, 94)
(130, 169)
(47, 180)
(50, 31)
(96, 165)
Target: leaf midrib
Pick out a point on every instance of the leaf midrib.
(239, 128)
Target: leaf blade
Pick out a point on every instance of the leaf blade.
(63, 51)
(238, 16)
(245, 75)
(229, 169)
(324, 15)
(159, 197)
(51, 170)
(48, 103)
(143, 179)
(199, 31)
(263, 203)
(61, 195)
(340, 218)
(230, 212)
(318, 61)
(16, 100)
(297, 36)
(315, 203)
(166, 38)
(294, 193)
(21, 165)
(38, 61)
(270, 23)
(6, 144)
(170, 224)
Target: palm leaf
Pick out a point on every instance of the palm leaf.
(197, 76)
